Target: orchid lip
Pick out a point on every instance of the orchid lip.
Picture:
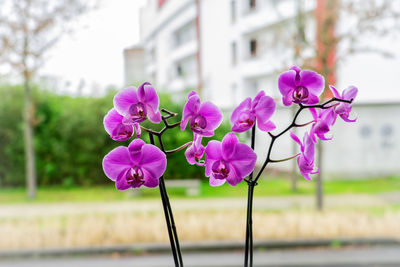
(299, 94)
(198, 124)
(135, 177)
(220, 169)
(137, 113)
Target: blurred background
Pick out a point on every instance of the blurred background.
(61, 63)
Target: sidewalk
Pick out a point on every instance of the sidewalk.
(190, 204)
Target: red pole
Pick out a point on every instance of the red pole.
(326, 17)
(198, 53)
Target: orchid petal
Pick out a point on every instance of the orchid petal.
(286, 82)
(313, 81)
(124, 99)
(243, 160)
(116, 162)
(216, 182)
(212, 114)
(228, 145)
(153, 160)
(135, 150)
(244, 105)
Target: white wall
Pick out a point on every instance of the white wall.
(367, 148)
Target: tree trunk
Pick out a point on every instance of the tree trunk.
(293, 171)
(319, 189)
(30, 168)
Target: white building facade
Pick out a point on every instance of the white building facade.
(235, 48)
(231, 40)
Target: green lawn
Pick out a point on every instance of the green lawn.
(277, 186)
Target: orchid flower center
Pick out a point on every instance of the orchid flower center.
(220, 169)
(135, 177)
(122, 132)
(137, 113)
(300, 94)
(198, 124)
(247, 118)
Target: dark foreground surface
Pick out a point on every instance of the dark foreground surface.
(349, 257)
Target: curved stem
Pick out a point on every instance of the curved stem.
(285, 159)
(324, 105)
(178, 148)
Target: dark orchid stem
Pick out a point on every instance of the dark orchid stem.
(166, 212)
(172, 233)
(170, 210)
(248, 256)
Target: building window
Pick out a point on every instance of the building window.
(179, 71)
(252, 4)
(234, 53)
(253, 47)
(233, 11)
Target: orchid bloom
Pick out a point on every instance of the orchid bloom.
(228, 160)
(306, 159)
(195, 151)
(322, 122)
(118, 131)
(138, 105)
(136, 165)
(204, 117)
(300, 86)
(260, 109)
(343, 109)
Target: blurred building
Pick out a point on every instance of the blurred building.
(134, 65)
(210, 44)
(366, 148)
(231, 49)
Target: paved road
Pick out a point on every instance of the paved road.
(348, 257)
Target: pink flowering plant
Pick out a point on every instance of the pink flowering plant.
(227, 160)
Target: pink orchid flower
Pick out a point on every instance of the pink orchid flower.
(228, 160)
(204, 117)
(306, 159)
(260, 109)
(136, 165)
(300, 86)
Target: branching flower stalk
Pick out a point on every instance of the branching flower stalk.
(253, 182)
(140, 164)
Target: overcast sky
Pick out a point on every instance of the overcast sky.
(93, 52)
